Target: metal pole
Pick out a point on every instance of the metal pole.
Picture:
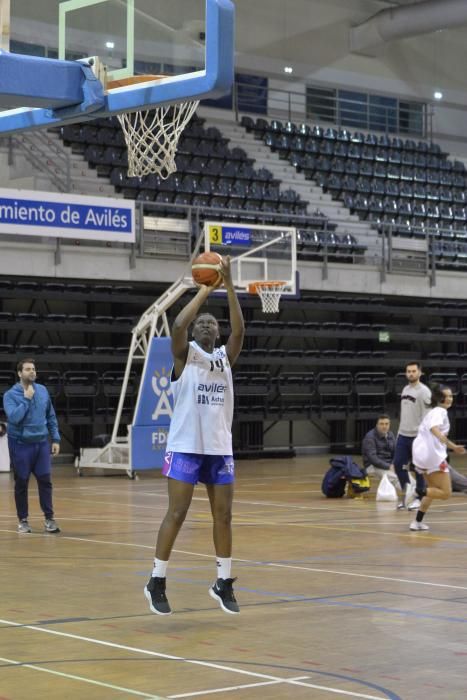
(121, 400)
(235, 99)
(389, 247)
(5, 25)
(383, 257)
(58, 252)
(68, 173)
(325, 259)
(140, 229)
(433, 262)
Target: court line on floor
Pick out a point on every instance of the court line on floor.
(232, 687)
(287, 506)
(256, 520)
(291, 681)
(257, 563)
(195, 662)
(71, 676)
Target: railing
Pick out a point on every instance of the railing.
(335, 107)
(388, 248)
(38, 148)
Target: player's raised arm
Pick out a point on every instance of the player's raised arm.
(237, 324)
(180, 327)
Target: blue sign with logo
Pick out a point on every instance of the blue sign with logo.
(153, 413)
(58, 215)
(234, 235)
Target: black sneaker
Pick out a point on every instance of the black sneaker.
(222, 591)
(154, 591)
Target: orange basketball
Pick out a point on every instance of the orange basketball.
(205, 269)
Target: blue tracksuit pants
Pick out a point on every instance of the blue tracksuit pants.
(31, 458)
(403, 457)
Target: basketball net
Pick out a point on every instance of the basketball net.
(269, 293)
(152, 138)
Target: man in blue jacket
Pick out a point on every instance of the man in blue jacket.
(31, 420)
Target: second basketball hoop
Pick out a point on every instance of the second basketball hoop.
(269, 292)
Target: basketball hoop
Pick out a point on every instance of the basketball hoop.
(269, 293)
(152, 135)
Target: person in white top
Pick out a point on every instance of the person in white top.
(429, 453)
(199, 445)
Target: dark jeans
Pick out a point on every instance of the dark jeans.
(402, 457)
(27, 459)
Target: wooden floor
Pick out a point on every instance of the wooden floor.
(338, 598)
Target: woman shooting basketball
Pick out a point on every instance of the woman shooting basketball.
(199, 445)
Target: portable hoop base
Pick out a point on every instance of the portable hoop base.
(269, 293)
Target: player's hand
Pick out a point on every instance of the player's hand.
(226, 272)
(29, 392)
(392, 468)
(55, 449)
(203, 289)
(459, 449)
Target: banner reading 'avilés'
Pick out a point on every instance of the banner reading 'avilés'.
(34, 213)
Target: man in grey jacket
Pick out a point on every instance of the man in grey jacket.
(378, 450)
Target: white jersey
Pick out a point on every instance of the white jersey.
(203, 404)
(427, 451)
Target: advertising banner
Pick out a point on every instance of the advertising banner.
(148, 434)
(34, 213)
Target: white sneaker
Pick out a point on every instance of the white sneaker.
(415, 505)
(409, 494)
(418, 526)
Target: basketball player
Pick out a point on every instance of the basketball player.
(430, 449)
(199, 445)
(415, 403)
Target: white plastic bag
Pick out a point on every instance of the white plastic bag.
(386, 491)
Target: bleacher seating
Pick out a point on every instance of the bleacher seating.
(210, 175)
(410, 186)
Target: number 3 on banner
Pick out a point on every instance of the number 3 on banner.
(215, 234)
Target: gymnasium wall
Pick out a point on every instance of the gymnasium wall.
(104, 263)
(313, 37)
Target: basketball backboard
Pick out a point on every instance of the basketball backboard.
(134, 36)
(190, 43)
(259, 252)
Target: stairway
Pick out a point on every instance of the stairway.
(56, 168)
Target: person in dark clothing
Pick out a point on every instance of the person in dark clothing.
(378, 448)
(31, 420)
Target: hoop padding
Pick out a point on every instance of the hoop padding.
(269, 293)
(152, 137)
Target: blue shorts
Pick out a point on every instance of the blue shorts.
(191, 468)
